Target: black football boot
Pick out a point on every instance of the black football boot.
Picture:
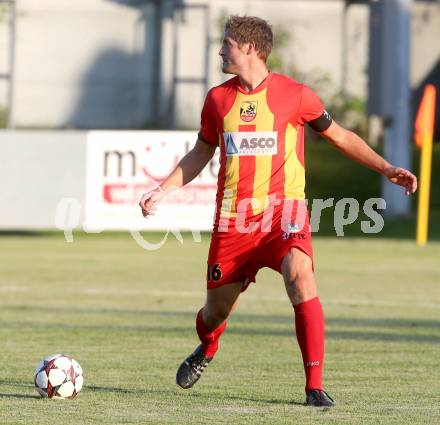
(319, 398)
(191, 369)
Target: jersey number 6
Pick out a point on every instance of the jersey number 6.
(214, 273)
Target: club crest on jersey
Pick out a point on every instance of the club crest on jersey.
(250, 143)
(293, 228)
(295, 231)
(248, 110)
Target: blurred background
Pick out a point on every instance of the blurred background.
(70, 67)
(98, 101)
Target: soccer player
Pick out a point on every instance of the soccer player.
(257, 121)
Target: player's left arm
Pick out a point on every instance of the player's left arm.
(352, 146)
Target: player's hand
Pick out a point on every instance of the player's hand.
(149, 200)
(403, 178)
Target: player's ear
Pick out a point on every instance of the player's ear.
(251, 48)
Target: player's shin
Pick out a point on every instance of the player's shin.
(208, 337)
(309, 323)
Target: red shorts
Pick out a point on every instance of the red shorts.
(236, 256)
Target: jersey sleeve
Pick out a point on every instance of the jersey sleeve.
(208, 123)
(312, 111)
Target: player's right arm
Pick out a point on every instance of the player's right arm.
(186, 170)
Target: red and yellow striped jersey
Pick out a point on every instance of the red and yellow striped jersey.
(261, 139)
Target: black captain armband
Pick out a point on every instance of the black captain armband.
(321, 123)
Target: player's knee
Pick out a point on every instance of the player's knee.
(301, 275)
(301, 284)
(216, 315)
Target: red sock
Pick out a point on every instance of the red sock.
(208, 337)
(309, 323)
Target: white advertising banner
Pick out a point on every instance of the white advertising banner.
(121, 165)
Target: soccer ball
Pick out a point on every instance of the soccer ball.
(58, 376)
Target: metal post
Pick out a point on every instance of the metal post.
(10, 107)
(179, 14)
(157, 60)
(9, 76)
(396, 99)
(344, 49)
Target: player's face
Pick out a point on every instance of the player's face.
(234, 56)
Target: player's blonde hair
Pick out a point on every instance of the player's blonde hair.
(251, 29)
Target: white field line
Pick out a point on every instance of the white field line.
(13, 288)
(283, 299)
(202, 294)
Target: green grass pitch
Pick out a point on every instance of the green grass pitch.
(127, 315)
